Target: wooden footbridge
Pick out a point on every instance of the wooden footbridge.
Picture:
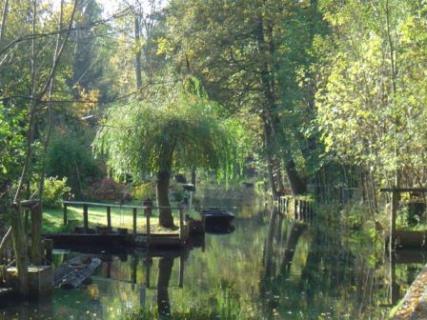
(401, 239)
(296, 208)
(106, 235)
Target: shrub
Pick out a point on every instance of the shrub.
(108, 190)
(144, 191)
(71, 157)
(55, 190)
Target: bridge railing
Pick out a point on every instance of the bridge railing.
(147, 208)
(298, 208)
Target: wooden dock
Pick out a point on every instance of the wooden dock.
(107, 236)
(116, 239)
(296, 208)
(401, 239)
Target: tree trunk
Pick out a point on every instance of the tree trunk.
(296, 230)
(3, 20)
(36, 236)
(165, 217)
(5, 241)
(276, 184)
(20, 247)
(298, 185)
(272, 123)
(18, 231)
(163, 302)
(138, 53)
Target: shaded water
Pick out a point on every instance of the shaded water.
(268, 268)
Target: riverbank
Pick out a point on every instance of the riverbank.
(53, 221)
(414, 305)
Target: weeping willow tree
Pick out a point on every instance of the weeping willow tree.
(175, 128)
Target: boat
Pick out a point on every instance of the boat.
(216, 217)
(75, 272)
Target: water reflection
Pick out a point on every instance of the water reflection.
(268, 268)
(163, 302)
(325, 272)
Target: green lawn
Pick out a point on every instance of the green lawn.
(120, 218)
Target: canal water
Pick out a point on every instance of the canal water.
(267, 268)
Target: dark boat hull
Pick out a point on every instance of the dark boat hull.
(216, 218)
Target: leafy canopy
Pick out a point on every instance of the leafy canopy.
(174, 128)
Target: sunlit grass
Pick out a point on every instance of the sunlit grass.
(120, 218)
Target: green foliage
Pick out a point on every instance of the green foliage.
(12, 141)
(143, 191)
(55, 190)
(68, 157)
(372, 98)
(106, 190)
(256, 58)
(174, 128)
(224, 305)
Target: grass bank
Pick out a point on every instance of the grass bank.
(53, 220)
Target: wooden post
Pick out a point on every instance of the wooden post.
(134, 211)
(181, 270)
(36, 233)
(301, 210)
(85, 218)
(20, 244)
(109, 218)
(394, 205)
(296, 204)
(48, 248)
(134, 266)
(181, 223)
(65, 214)
(147, 262)
(147, 212)
(296, 209)
(304, 210)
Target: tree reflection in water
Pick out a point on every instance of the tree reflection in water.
(163, 302)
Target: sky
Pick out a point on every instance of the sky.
(111, 6)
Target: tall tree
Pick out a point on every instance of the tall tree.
(177, 127)
(373, 97)
(33, 90)
(238, 49)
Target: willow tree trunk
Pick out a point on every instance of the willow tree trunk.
(163, 302)
(165, 217)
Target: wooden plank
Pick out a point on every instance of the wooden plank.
(181, 223)
(112, 205)
(85, 217)
(393, 213)
(134, 213)
(181, 271)
(109, 217)
(65, 214)
(147, 213)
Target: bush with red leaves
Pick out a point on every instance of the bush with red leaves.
(108, 190)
